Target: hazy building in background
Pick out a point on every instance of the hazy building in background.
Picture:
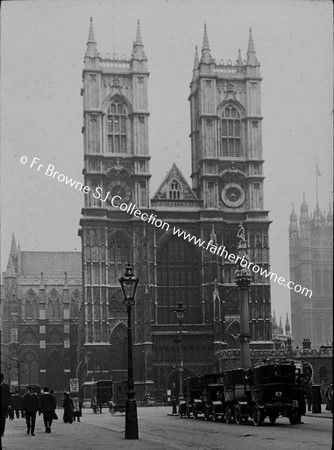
(227, 188)
(311, 266)
(40, 315)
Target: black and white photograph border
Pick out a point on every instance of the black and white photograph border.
(48, 51)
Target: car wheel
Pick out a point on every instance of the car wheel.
(257, 416)
(237, 415)
(228, 414)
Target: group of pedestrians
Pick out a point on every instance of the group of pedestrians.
(42, 404)
(45, 404)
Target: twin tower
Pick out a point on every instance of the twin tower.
(227, 188)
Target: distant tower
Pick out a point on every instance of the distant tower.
(287, 326)
(311, 266)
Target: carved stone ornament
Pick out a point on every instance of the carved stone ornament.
(117, 171)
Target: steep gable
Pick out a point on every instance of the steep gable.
(175, 191)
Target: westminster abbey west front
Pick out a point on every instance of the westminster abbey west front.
(227, 188)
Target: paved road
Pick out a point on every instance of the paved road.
(158, 431)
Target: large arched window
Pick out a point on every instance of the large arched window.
(178, 280)
(230, 132)
(116, 128)
(119, 255)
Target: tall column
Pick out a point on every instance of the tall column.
(242, 279)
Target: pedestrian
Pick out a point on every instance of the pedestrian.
(5, 403)
(47, 407)
(31, 406)
(68, 408)
(16, 404)
(77, 408)
(329, 397)
(164, 399)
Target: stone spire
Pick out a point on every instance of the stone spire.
(251, 54)
(139, 40)
(10, 272)
(239, 59)
(287, 325)
(293, 219)
(318, 218)
(196, 59)
(280, 325)
(196, 65)
(91, 51)
(206, 53)
(13, 248)
(304, 209)
(138, 46)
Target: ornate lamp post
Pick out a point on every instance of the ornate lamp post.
(242, 279)
(179, 311)
(129, 285)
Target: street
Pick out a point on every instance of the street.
(158, 430)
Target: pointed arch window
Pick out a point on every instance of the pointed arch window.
(230, 132)
(31, 305)
(117, 128)
(175, 191)
(53, 305)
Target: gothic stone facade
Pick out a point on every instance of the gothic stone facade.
(227, 188)
(40, 315)
(311, 266)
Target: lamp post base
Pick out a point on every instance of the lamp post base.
(131, 420)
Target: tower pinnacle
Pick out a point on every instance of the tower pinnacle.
(13, 248)
(196, 60)
(139, 40)
(251, 55)
(91, 37)
(206, 54)
(239, 59)
(138, 46)
(91, 51)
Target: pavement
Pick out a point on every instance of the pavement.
(75, 436)
(85, 436)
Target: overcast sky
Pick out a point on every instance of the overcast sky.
(43, 45)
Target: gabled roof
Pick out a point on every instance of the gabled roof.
(52, 264)
(187, 195)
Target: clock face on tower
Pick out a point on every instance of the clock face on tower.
(120, 189)
(233, 195)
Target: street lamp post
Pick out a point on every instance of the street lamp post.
(129, 285)
(243, 279)
(180, 311)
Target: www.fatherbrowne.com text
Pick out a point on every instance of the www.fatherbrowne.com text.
(117, 202)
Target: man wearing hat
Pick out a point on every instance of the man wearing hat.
(47, 407)
(6, 401)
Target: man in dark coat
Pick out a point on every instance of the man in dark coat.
(47, 407)
(5, 403)
(31, 406)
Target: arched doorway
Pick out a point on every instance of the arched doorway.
(173, 380)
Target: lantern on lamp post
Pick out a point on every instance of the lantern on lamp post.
(129, 285)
